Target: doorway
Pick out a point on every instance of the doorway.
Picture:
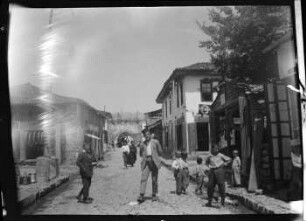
(179, 137)
(203, 137)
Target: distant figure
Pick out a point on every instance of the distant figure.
(216, 161)
(133, 153)
(125, 152)
(150, 151)
(85, 162)
(236, 168)
(200, 174)
(113, 145)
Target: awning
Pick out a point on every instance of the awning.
(93, 136)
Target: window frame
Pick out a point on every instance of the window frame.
(206, 82)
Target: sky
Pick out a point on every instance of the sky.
(113, 57)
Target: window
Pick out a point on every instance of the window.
(182, 95)
(170, 107)
(206, 91)
(166, 108)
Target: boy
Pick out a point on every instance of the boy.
(236, 167)
(185, 173)
(200, 173)
(181, 174)
(216, 161)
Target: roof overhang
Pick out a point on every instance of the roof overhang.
(288, 36)
(180, 73)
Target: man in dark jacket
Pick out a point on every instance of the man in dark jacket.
(85, 162)
(150, 151)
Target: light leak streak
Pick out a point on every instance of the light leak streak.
(46, 74)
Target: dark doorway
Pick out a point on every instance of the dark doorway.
(203, 137)
(179, 137)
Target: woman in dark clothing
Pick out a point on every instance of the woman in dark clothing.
(133, 153)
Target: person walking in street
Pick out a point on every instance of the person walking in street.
(181, 173)
(125, 153)
(216, 162)
(200, 174)
(133, 153)
(185, 173)
(150, 151)
(236, 168)
(85, 162)
(176, 166)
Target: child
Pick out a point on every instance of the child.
(180, 167)
(185, 173)
(236, 166)
(200, 173)
(216, 161)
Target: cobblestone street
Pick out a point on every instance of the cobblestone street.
(114, 190)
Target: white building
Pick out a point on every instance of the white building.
(186, 98)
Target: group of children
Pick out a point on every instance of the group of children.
(213, 170)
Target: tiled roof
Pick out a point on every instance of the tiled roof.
(199, 66)
(30, 94)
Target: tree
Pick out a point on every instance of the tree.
(239, 34)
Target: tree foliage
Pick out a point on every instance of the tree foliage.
(237, 36)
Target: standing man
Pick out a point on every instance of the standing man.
(216, 162)
(150, 151)
(85, 162)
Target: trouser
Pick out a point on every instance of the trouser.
(200, 183)
(85, 189)
(236, 177)
(125, 158)
(185, 178)
(295, 191)
(178, 180)
(150, 167)
(216, 176)
(182, 179)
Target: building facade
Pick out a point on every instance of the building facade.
(186, 98)
(70, 123)
(283, 104)
(153, 121)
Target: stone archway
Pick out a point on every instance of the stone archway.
(131, 129)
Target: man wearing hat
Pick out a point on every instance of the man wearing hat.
(216, 162)
(150, 151)
(85, 162)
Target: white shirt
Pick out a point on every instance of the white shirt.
(149, 149)
(126, 148)
(296, 160)
(179, 164)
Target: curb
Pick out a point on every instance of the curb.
(251, 204)
(245, 201)
(42, 192)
